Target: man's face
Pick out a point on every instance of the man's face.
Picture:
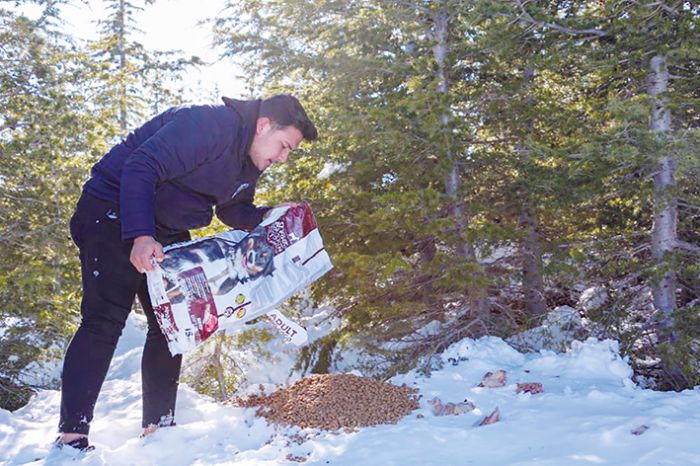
(272, 145)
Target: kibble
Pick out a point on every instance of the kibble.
(333, 402)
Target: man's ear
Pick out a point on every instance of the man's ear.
(261, 124)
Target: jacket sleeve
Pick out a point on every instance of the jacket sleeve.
(240, 213)
(178, 147)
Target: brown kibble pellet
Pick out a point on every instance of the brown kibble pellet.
(333, 402)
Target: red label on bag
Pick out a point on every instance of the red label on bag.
(200, 302)
(292, 227)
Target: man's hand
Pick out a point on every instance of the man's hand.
(143, 249)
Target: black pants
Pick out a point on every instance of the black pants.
(110, 283)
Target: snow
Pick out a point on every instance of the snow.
(559, 328)
(7, 322)
(330, 168)
(585, 416)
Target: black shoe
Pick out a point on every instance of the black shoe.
(81, 444)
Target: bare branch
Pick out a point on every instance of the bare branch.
(615, 238)
(659, 4)
(689, 247)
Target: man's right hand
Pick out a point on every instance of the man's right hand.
(143, 249)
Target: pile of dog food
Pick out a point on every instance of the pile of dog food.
(334, 401)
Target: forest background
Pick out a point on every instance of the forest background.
(481, 162)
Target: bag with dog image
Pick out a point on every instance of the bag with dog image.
(223, 281)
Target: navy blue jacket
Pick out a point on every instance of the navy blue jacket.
(169, 173)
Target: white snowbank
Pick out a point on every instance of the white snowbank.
(585, 416)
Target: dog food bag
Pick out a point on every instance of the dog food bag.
(223, 281)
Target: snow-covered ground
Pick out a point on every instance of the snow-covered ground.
(585, 416)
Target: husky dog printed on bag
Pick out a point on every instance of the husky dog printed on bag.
(247, 260)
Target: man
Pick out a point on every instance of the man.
(145, 193)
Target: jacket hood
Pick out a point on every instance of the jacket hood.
(247, 109)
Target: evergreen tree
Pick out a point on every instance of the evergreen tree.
(137, 82)
(632, 51)
(49, 87)
(467, 125)
(42, 88)
(533, 120)
(397, 217)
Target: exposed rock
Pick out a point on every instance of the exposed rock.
(559, 329)
(593, 298)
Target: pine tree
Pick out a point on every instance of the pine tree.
(396, 218)
(533, 119)
(60, 114)
(461, 127)
(632, 50)
(42, 88)
(137, 82)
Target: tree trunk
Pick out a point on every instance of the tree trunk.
(664, 230)
(56, 259)
(121, 41)
(531, 253)
(216, 359)
(531, 242)
(664, 237)
(477, 299)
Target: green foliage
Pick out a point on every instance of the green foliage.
(42, 90)
(13, 395)
(210, 370)
(540, 110)
(213, 369)
(59, 117)
(548, 116)
(681, 358)
(316, 358)
(135, 83)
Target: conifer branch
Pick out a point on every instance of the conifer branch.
(497, 141)
(686, 205)
(660, 5)
(528, 18)
(411, 4)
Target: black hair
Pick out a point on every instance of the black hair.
(285, 110)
